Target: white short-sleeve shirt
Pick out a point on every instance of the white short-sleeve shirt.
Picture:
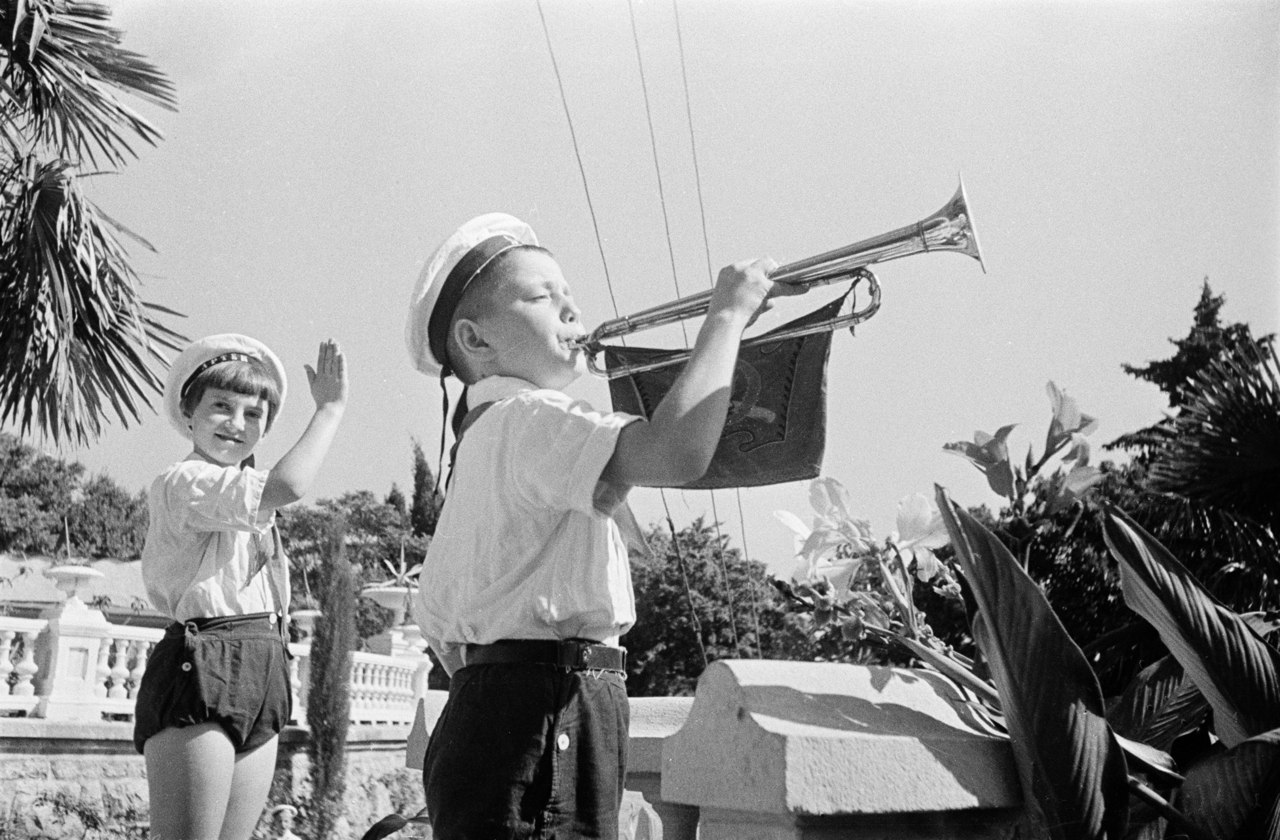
(521, 550)
(204, 541)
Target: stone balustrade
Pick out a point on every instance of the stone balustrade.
(18, 666)
(385, 688)
(74, 665)
(122, 659)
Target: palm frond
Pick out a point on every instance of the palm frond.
(79, 343)
(1225, 450)
(64, 72)
(1236, 558)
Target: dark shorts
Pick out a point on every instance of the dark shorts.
(528, 751)
(232, 671)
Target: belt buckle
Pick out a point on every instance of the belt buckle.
(588, 656)
(572, 654)
(598, 657)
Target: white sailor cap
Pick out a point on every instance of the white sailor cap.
(444, 278)
(204, 354)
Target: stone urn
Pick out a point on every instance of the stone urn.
(394, 597)
(401, 638)
(306, 620)
(73, 582)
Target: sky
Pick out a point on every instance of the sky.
(1115, 155)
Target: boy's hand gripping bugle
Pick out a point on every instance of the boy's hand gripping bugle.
(293, 475)
(677, 443)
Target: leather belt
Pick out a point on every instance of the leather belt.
(572, 654)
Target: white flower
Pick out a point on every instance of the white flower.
(920, 530)
(837, 544)
(797, 526)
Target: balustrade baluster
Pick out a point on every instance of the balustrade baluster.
(142, 652)
(358, 690)
(102, 672)
(6, 666)
(120, 670)
(26, 668)
(383, 699)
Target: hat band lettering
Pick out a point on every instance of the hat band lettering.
(208, 363)
(466, 270)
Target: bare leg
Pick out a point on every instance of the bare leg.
(189, 780)
(250, 785)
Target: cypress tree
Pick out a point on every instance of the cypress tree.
(329, 700)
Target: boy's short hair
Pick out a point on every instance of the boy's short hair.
(249, 377)
(445, 277)
(475, 303)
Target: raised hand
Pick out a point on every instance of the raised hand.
(328, 379)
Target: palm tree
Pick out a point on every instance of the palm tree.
(77, 342)
(1218, 473)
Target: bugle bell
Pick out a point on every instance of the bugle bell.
(949, 229)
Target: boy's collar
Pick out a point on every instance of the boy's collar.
(497, 388)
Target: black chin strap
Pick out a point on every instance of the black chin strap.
(444, 423)
(455, 423)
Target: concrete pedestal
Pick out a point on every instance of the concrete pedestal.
(776, 750)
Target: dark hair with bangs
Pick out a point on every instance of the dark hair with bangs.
(250, 378)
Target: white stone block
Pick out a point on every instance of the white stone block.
(799, 740)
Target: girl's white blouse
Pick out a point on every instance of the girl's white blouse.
(203, 543)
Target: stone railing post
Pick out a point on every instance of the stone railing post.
(67, 653)
(300, 679)
(653, 720)
(775, 750)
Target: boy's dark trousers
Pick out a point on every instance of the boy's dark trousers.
(528, 750)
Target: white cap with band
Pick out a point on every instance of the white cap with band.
(444, 278)
(212, 350)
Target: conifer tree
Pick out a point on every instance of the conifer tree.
(1207, 341)
(427, 499)
(329, 698)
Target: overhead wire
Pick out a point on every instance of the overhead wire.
(706, 250)
(675, 280)
(577, 153)
(582, 172)
(719, 551)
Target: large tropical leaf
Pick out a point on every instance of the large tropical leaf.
(392, 823)
(1236, 794)
(1238, 672)
(65, 68)
(1068, 759)
(1159, 705)
(78, 343)
(1224, 450)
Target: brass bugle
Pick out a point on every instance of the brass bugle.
(949, 229)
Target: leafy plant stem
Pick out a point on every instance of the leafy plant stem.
(898, 597)
(1170, 813)
(945, 665)
(1066, 535)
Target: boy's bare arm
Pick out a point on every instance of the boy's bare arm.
(676, 445)
(292, 476)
